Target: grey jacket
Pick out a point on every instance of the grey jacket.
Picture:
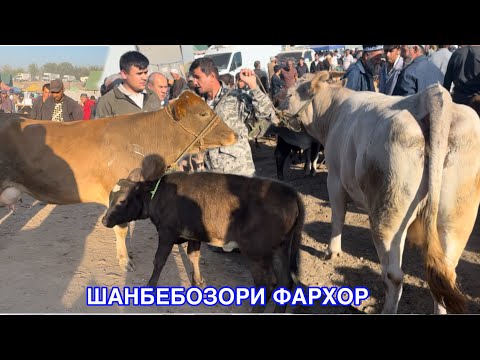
(116, 103)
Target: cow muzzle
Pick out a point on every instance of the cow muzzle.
(106, 222)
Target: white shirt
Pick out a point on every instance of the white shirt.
(136, 97)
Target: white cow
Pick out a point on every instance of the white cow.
(412, 162)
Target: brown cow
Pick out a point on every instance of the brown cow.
(77, 162)
(262, 217)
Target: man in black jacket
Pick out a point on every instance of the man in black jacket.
(60, 107)
(463, 71)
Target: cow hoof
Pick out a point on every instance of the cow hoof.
(126, 264)
(330, 255)
(202, 284)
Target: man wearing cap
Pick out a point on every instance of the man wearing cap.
(418, 74)
(60, 107)
(390, 70)
(131, 96)
(179, 83)
(360, 75)
(88, 106)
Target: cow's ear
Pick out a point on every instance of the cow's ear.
(153, 167)
(318, 80)
(179, 108)
(135, 175)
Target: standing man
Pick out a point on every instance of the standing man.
(179, 83)
(463, 71)
(418, 74)
(302, 68)
(289, 74)
(390, 70)
(316, 65)
(131, 96)
(236, 158)
(88, 106)
(262, 75)
(360, 74)
(158, 83)
(6, 104)
(271, 64)
(60, 107)
(441, 57)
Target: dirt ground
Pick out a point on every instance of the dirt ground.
(49, 254)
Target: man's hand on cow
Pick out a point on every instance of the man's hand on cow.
(248, 76)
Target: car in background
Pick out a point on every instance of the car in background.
(295, 53)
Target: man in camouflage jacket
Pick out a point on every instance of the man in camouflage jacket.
(227, 103)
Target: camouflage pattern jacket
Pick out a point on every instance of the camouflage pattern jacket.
(236, 158)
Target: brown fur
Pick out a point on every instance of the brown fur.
(80, 161)
(66, 163)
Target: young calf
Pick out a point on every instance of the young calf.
(264, 218)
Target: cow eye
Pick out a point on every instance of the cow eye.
(204, 114)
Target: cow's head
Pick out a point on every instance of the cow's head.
(297, 104)
(193, 113)
(130, 197)
(127, 202)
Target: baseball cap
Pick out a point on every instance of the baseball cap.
(56, 85)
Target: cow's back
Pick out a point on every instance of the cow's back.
(224, 205)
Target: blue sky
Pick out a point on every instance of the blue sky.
(22, 56)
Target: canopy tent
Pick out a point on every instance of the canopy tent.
(6, 78)
(94, 81)
(326, 47)
(4, 86)
(200, 47)
(34, 87)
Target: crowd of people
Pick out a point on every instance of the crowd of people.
(390, 69)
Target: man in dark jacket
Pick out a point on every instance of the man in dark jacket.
(36, 113)
(463, 70)
(60, 107)
(418, 74)
(360, 75)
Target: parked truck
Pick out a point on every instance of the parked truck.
(69, 78)
(47, 77)
(23, 77)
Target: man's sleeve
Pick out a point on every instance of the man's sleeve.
(447, 81)
(102, 110)
(262, 104)
(77, 111)
(33, 114)
(353, 80)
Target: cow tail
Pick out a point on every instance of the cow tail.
(296, 238)
(440, 274)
